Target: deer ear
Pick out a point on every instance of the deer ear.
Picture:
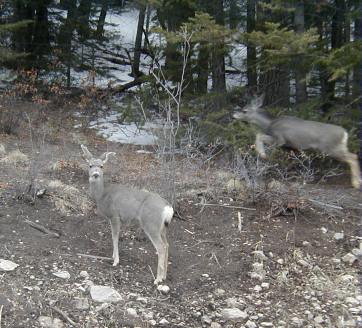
(87, 154)
(105, 156)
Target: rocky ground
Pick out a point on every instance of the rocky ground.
(287, 258)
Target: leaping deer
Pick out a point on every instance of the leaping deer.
(300, 134)
(122, 204)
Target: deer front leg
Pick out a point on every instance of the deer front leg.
(115, 228)
(259, 143)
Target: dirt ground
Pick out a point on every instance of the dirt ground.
(279, 263)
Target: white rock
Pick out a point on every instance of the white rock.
(297, 322)
(163, 322)
(105, 294)
(205, 275)
(84, 274)
(215, 325)
(152, 322)
(250, 324)
(132, 312)
(266, 324)
(304, 263)
(351, 300)
(350, 323)
(280, 261)
(233, 314)
(2, 150)
(206, 319)
(6, 265)
(357, 251)
(324, 230)
(219, 292)
(143, 300)
(349, 258)
(305, 243)
(62, 274)
(148, 315)
(47, 322)
(318, 319)
(164, 289)
(258, 288)
(338, 236)
(260, 255)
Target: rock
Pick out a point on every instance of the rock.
(266, 324)
(163, 322)
(338, 236)
(48, 322)
(105, 294)
(257, 288)
(6, 265)
(305, 243)
(84, 274)
(132, 312)
(152, 322)
(205, 275)
(349, 258)
(164, 289)
(143, 300)
(215, 325)
(304, 263)
(324, 230)
(280, 261)
(250, 324)
(232, 302)
(351, 300)
(233, 314)
(62, 274)
(148, 315)
(350, 323)
(80, 303)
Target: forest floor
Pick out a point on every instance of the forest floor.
(290, 259)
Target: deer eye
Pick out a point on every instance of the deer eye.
(101, 166)
(90, 166)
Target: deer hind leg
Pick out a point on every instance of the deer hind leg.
(161, 250)
(115, 228)
(164, 239)
(259, 143)
(352, 160)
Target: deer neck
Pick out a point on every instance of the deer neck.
(262, 120)
(96, 189)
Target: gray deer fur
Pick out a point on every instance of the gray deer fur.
(299, 134)
(121, 205)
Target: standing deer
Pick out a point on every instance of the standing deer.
(122, 204)
(299, 134)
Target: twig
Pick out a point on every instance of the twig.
(95, 257)
(154, 278)
(325, 204)
(1, 311)
(201, 242)
(239, 221)
(190, 232)
(64, 315)
(213, 256)
(42, 228)
(229, 206)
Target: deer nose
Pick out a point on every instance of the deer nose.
(95, 174)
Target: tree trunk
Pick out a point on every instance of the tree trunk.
(234, 14)
(138, 42)
(251, 51)
(300, 75)
(218, 52)
(357, 70)
(202, 70)
(102, 20)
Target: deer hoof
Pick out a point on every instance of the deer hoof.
(115, 262)
(157, 281)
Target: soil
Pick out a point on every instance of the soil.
(286, 238)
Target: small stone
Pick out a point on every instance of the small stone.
(250, 324)
(62, 274)
(80, 303)
(152, 322)
(233, 314)
(105, 294)
(349, 258)
(324, 230)
(357, 252)
(318, 319)
(2, 150)
(132, 312)
(305, 243)
(257, 288)
(48, 322)
(205, 275)
(265, 285)
(297, 322)
(164, 289)
(163, 322)
(215, 325)
(338, 236)
(6, 265)
(280, 261)
(354, 310)
(304, 263)
(219, 292)
(260, 255)
(148, 315)
(84, 274)
(266, 324)
(143, 300)
(206, 319)
(350, 323)
(351, 300)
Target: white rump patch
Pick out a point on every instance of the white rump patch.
(167, 214)
(345, 138)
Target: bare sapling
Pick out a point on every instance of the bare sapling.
(300, 134)
(123, 204)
